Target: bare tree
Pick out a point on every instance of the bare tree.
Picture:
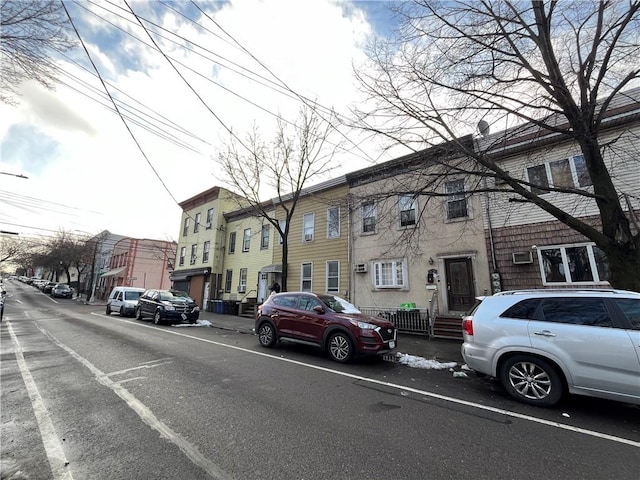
(31, 34)
(553, 66)
(281, 168)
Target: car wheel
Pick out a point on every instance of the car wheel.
(532, 380)
(108, 311)
(340, 347)
(157, 317)
(267, 335)
(138, 313)
(121, 312)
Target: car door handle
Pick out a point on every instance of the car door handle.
(545, 333)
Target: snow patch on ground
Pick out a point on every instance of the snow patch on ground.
(424, 363)
(199, 323)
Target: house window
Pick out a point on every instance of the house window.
(333, 222)
(308, 221)
(333, 276)
(227, 281)
(407, 205)
(205, 251)
(209, 217)
(565, 173)
(185, 228)
(232, 243)
(196, 224)
(194, 253)
(389, 274)
(283, 227)
(456, 200)
(246, 240)
(264, 237)
(183, 253)
(242, 286)
(306, 283)
(368, 217)
(578, 263)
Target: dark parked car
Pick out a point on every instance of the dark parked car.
(47, 287)
(171, 306)
(326, 321)
(62, 290)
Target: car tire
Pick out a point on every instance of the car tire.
(138, 313)
(267, 335)
(532, 380)
(121, 312)
(157, 317)
(108, 311)
(340, 347)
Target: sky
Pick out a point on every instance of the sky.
(88, 170)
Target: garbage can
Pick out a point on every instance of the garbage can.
(218, 306)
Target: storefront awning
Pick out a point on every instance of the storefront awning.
(178, 275)
(273, 268)
(115, 272)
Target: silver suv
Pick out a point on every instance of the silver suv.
(542, 344)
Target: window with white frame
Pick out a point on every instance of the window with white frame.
(564, 173)
(205, 251)
(242, 286)
(283, 227)
(246, 240)
(227, 281)
(333, 276)
(185, 227)
(209, 217)
(333, 222)
(183, 253)
(407, 205)
(389, 274)
(196, 224)
(264, 237)
(308, 226)
(306, 277)
(368, 217)
(194, 253)
(456, 200)
(232, 243)
(569, 264)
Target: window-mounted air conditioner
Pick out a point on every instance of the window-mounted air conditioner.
(209, 226)
(522, 258)
(360, 268)
(308, 237)
(242, 288)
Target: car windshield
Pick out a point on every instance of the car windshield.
(338, 304)
(174, 295)
(180, 294)
(132, 295)
(63, 287)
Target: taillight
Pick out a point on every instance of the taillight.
(467, 325)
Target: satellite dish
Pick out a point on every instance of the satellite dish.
(483, 127)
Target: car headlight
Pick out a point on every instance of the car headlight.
(167, 306)
(363, 325)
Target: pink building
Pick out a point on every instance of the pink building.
(140, 263)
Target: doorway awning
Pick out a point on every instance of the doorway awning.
(273, 268)
(178, 275)
(114, 273)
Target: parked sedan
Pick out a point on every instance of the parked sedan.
(62, 290)
(171, 306)
(326, 321)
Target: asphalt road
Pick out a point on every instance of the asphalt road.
(86, 396)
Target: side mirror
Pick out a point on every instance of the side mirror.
(318, 309)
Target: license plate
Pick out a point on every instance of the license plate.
(184, 317)
(392, 344)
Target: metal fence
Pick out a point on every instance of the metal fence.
(414, 320)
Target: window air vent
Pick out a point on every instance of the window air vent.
(522, 258)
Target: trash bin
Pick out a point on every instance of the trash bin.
(217, 306)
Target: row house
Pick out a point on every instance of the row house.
(142, 263)
(199, 264)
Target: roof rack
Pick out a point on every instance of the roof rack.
(563, 290)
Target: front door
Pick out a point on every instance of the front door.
(460, 291)
(262, 287)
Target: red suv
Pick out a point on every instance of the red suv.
(326, 321)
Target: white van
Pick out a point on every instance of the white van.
(124, 300)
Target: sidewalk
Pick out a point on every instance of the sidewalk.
(417, 345)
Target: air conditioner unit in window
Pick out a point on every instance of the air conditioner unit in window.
(242, 288)
(360, 268)
(522, 258)
(209, 226)
(308, 237)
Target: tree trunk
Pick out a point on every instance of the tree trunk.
(624, 265)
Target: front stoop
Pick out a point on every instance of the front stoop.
(447, 327)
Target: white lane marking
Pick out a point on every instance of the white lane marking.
(145, 413)
(52, 446)
(120, 372)
(458, 401)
